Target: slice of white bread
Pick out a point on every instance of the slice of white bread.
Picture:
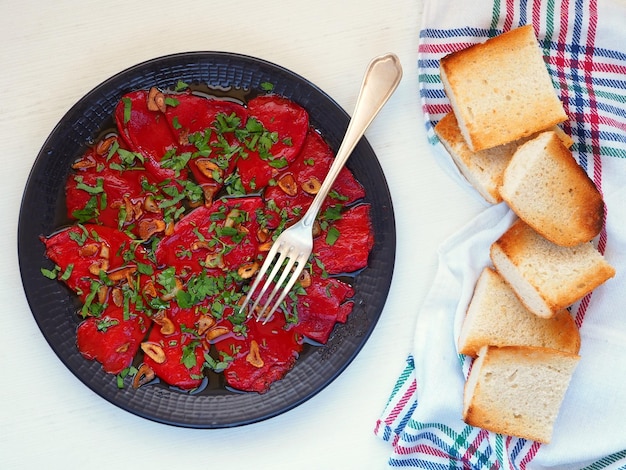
(484, 169)
(518, 390)
(544, 185)
(545, 276)
(496, 317)
(500, 90)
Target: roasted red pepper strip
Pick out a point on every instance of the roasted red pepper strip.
(84, 253)
(350, 250)
(183, 352)
(313, 309)
(289, 120)
(265, 354)
(314, 161)
(194, 113)
(222, 236)
(289, 123)
(112, 339)
(85, 205)
(205, 127)
(309, 170)
(254, 172)
(323, 305)
(147, 132)
(107, 190)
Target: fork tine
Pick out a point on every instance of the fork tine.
(259, 277)
(277, 285)
(294, 276)
(268, 281)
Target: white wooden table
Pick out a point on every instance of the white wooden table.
(53, 53)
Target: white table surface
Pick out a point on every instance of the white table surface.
(54, 52)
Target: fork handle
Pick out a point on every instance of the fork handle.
(381, 78)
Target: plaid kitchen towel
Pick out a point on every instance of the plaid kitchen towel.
(584, 45)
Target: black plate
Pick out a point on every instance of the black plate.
(54, 307)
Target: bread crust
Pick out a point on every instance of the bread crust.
(544, 185)
(500, 90)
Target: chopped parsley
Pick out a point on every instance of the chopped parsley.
(127, 108)
(51, 273)
(105, 323)
(332, 235)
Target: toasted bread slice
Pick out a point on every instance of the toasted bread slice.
(500, 90)
(518, 390)
(484, 169)
(546, 188)
(496, 317)
(545, 276)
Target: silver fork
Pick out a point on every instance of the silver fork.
(294, 246)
